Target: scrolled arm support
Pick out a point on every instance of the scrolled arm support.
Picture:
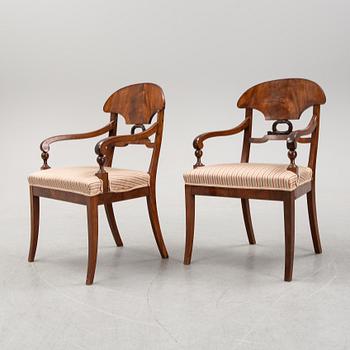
(45, 145)
(292, 142)
(103, 146)
(292, 154)
(198, 142)
(102, 173)
(45, 157)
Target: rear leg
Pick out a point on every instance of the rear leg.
(248, 220)
(311, 205)
(113, 224)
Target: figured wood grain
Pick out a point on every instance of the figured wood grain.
(279, 100)
(138, 104)
(283, 98)
(45, 145)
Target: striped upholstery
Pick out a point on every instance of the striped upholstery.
(248, 175)
(82, 180)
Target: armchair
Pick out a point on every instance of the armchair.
(282, 101)
(102, 184)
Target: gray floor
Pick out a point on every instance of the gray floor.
(231, 297)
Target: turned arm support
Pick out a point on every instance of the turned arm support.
(45, 145)
(198, 142)
(103, 146)
(292, 141)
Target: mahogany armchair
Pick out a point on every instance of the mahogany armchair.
(279, 100)
(103, 185)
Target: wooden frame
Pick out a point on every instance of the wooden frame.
(280, 100)
(138, 104)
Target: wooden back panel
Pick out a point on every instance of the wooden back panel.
(137, 103)
(282, 99)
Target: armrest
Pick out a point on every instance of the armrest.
(198, 142)
(292, 141)
(45, 145)
(103, 146)
(123, 140)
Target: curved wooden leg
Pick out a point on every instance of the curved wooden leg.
(248, 220)
(153, 215)
(113, 224)
(34, 225)
(92, 216)
(289, 231)
(311, 205)
(190, 216)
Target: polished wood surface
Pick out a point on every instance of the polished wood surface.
(311, 205)
(153, 215)
(248, 220)
(280, 100)
(113, 224)
(283, 98)
(45, 145)
(198, 142)
(92, 219)
(34, 226)
(138, 104)
(190, 216)
(289, 235)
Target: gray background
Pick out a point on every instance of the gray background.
(59, 62)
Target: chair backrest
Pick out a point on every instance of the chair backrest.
(282, 100)
(138, 104)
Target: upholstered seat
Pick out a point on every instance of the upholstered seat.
(82, 180)
(248, 175)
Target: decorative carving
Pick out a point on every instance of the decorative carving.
(45, 145)
(198, 142)
(292, 154)
(102, 173)
(198, 153)
(137, 126)
(275, 131)
(45, 157)
(101, 159)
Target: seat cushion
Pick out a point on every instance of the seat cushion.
(248, 175)
(82, 180)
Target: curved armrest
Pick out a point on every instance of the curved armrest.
(103, 146)
(292, 141)
(123, 140)
(45, 145)
(198, 142)
(294, 135)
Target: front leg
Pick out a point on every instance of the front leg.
(92, 217)
(289, 232)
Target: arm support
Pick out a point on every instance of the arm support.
(293, 139)
(45, 145)
(198, 142)
(102, 147)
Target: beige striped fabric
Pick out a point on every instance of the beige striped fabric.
(248, 175)
(82, 180)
